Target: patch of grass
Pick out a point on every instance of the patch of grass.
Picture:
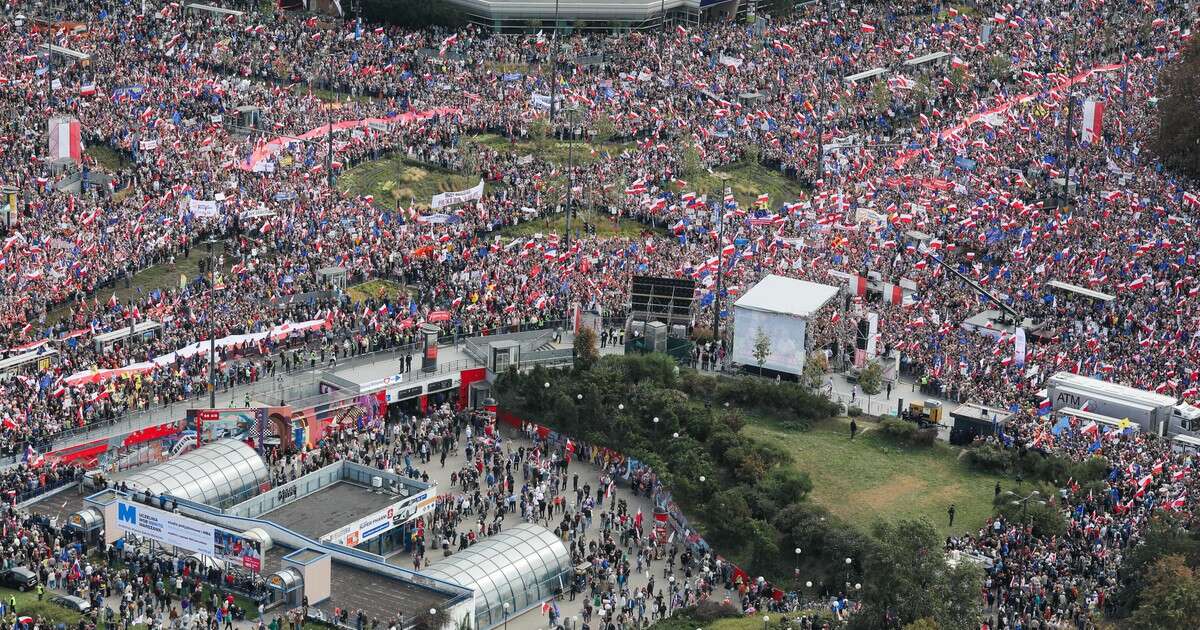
(330, 96)
(162, 276)
(872, 478)
(606, 227)
(28, 604)
(374, 288)
(107, 158)
(748, 180)
(551, 149)
(500, 67)
(396, 179)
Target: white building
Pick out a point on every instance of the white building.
(519, 15)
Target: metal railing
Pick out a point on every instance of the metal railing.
(272, 387)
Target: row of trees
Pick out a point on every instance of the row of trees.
(744, 495)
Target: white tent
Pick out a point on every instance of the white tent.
(778, 309)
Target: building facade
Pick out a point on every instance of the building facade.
(509, 16)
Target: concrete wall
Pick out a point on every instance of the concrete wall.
(277, 497)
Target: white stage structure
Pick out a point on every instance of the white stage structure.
(781, 308)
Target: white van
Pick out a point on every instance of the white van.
(1185, 419)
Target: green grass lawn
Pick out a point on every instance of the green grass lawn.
(28, 604)
(108, 159)
(605, 226)
(163, 276)
(373, 288)
(872, 478)
(395, 179)
(551, 149)
(748, 181)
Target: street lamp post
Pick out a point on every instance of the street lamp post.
(554, 69)
(848, 563)
(798, 551)
(1023, 502)
(212, 341)
(720, 261)
(506, 607)
(572, 115)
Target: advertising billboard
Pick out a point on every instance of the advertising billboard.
(376, 523)
(189, 534)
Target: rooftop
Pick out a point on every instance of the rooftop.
(329, 508)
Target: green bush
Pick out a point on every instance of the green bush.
(712, 610)
(989, 459)
(1040, 511)
(904, 432)
(925, 437)
(748, 482)
(854, 411)
(898, 430)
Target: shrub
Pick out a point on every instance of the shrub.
(925, 437)
(854, 411)
(989, 459)
(712, 610)
(1041, 512)
(899, 430)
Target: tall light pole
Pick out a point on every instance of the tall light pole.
(821, 109)
(212, 340)
(662, 24)
(1023, 502)
(720, 262)
(572, 114)
(554, 69)
(329, 136)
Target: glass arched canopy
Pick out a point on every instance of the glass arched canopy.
(523, 566)
(210, 474)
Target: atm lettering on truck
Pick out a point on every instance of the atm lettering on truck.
(1067, 400)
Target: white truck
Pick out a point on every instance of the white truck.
(1153, 412)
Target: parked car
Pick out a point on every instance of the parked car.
(19, 578)
(78, 604)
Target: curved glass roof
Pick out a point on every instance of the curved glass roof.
(209, 475)
(523, 565)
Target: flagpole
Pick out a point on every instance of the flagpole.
(554, 70)
(329, 141)
(212, 342)
(571, 115)
(720, 264)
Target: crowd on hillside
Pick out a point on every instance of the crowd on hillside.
(972, 151)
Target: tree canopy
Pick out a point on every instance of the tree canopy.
(911, 581)
(1177, 142)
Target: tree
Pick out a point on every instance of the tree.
(958, 77)
(1000, 66)
(752, 153)
(586, 354)
(436, 620)
(1172, 596)
(908, 577)
(814, 370)
(604, 128)
(924, 623)
(1165, 535)
(539, 129)
(762, 348)
(881, 96)
(870, 379)
(690, 162)
(1178, 126)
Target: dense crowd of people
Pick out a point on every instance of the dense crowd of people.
(980, 152)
